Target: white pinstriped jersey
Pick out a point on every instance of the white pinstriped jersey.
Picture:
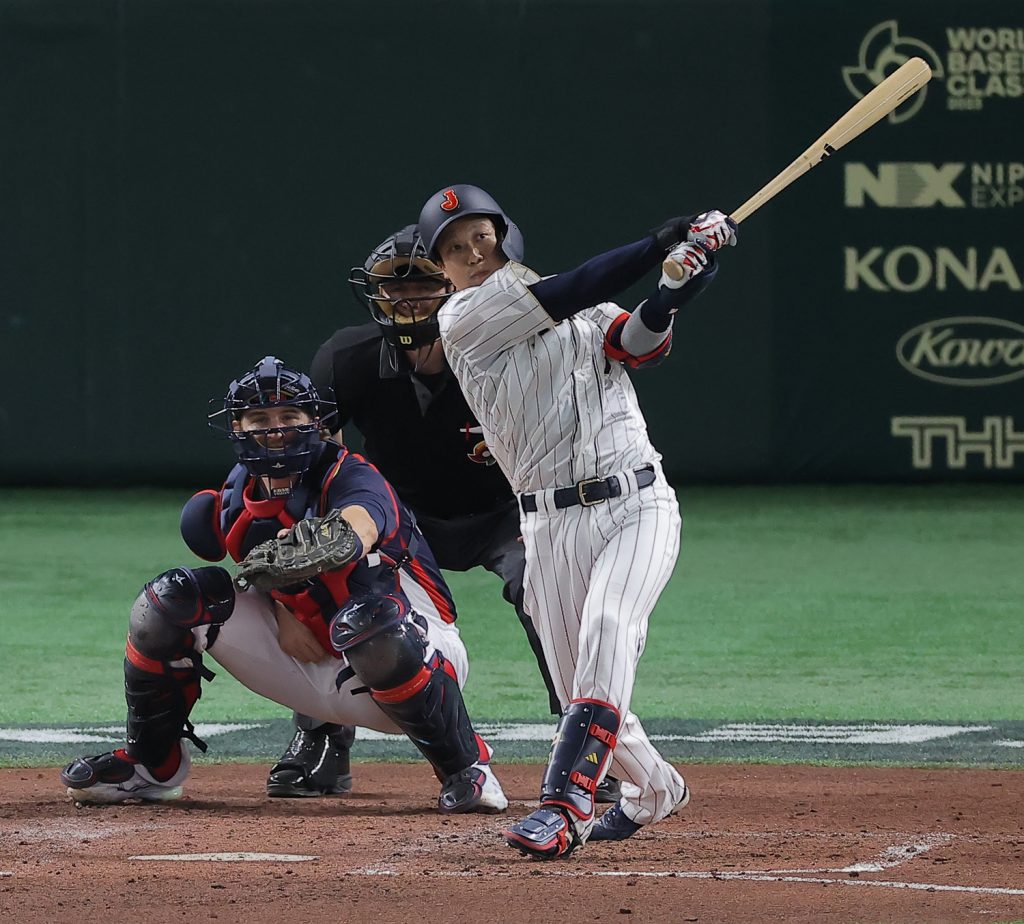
(553, 409)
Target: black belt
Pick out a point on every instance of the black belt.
(590, 492)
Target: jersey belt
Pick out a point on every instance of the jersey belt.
(589, 492)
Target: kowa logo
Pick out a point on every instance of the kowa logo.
(964, 351)
(906, 185)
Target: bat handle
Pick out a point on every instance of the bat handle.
(674, 271)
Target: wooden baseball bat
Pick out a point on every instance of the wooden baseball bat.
(876, 105)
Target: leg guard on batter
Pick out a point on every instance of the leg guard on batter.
(385, 649)
(583, 746)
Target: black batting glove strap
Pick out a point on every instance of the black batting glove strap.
(672, 232)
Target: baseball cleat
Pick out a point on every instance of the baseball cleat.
(315, 764)
(613, 825)
(475, 789)
(608, 791)
(546, 834)
(114, 777)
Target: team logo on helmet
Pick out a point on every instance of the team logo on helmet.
(449, 201)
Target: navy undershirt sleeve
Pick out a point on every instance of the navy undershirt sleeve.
(656, 312)
(598, 280)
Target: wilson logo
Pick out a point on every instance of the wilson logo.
(964, 351)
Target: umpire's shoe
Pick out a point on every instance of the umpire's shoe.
(317, 763)
(608, 791)
(613, 825)
(114, 777)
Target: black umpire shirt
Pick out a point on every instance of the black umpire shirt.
(417, 429)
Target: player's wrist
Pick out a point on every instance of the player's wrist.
(672, 232)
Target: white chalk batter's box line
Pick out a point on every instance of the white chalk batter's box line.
(733, 732)
(893, 856)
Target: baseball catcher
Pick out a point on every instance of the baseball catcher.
(338, 610)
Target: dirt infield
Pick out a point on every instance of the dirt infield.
(758, 843)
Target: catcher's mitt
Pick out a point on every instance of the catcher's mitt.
(310, 547)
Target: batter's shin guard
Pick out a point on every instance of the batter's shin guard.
(429, 708)
(582, 749)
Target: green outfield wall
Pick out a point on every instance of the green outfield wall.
(184, 184)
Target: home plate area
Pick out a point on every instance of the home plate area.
(757, 843)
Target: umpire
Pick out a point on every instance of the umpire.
(391, 380)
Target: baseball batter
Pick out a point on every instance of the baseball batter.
(543, 365)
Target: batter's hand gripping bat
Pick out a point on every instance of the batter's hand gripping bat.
(900, 85)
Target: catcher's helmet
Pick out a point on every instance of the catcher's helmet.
(272, 384)
(452, 202)
(400, 258)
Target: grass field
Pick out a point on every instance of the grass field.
(828, 603)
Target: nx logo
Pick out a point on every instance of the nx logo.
(964, 351)
(882, 51)
(997, 443)
(922, 186)
(911, 269)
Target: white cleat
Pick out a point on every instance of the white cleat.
(110, 778)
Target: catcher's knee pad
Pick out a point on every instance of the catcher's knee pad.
(429, 708)
(583, 746)
(175, 602)
(378, 639)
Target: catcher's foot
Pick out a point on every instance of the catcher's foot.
(475, 789)
(315, 764)
(114, 777)
(546, 834)
(613, 825)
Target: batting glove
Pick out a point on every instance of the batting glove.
(690, 258)
(712, 230)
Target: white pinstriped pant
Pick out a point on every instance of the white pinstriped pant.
(593, 575)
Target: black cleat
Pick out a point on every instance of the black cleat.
(608, 791)
(315, 764)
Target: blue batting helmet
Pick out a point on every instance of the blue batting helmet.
(452, 202)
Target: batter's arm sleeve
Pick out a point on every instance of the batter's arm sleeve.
(598, 280)
(359, 484)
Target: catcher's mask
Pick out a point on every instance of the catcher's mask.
(402, 289)
(458, 201)
(283, 449)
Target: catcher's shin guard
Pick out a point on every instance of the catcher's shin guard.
(162, 671)
(582, 748)
(429, 708)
